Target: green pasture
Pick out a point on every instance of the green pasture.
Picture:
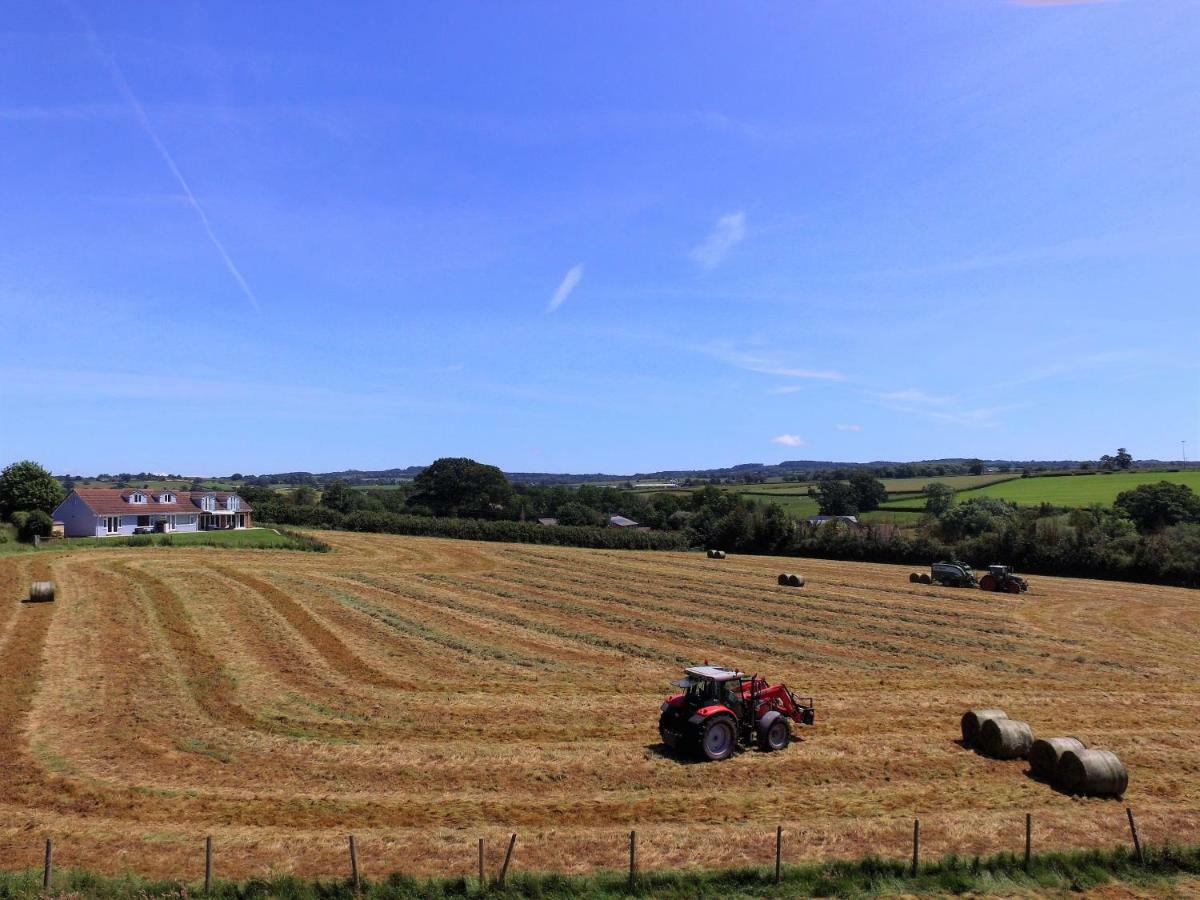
(1066, 490)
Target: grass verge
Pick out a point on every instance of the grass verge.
(247, 539)
(1003, 873)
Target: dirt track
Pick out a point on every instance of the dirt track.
(423, 693)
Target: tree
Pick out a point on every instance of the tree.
(36, 523)
(578, 514)
(836, 498)
(1155, 506)
(457, 486)
(340, 496)
(975, 466)
(1124, 458)
(869, 492)
(939, 497)
(26, 486)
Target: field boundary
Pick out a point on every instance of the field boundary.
(1005, 871)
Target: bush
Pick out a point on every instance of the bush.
(35, 524)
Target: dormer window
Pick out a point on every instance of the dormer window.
(231, 503)
(166, 498)
(137, 497)
(208, 504)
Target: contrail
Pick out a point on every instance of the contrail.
(126, 91)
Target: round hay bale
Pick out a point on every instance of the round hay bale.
(783, 579)
(926, 578)
(718, 554)
(973, 720)
(1005, 738)
(795, 581)
(41, 592)
(711, 553)
(914, 577)
(1046, 752)
(1093, 773)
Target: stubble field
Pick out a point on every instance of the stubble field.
(424, 693)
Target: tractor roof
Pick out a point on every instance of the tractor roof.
(714, 673)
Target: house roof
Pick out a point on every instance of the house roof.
(817, 520)
(621, 521)
(113, 501)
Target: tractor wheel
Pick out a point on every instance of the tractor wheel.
(718, 738)
(1013, 587)
(926, 578)
(773, 732)
(987, 583)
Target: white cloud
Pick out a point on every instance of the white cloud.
(729, 231)
(785, 389)
(849, 427)
(569, 283)
(789, 440)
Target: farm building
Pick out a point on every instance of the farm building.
(100, 512)
(621, 522)
(547, 520)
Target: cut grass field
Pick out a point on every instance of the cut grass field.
(423, 693)
(1067, 490)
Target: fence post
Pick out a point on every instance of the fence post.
(507, 856)
(1028, 840)
(354, 863)
(208, 864)
(916, 845)
(482, 883)
(632, 858)
(778, 851)
(48, 865)
(1137, 844)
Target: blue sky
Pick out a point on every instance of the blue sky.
(621, 237)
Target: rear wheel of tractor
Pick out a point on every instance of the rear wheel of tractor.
(718, 738)
(773, 732)
(926, 579)
(987, 583)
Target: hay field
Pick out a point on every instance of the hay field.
(422, 693)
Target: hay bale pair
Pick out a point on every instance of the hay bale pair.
(716, 554)
(788, 579)
(1071, 767)
(993, 733)
(920, 578)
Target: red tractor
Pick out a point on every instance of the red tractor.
(721, 709)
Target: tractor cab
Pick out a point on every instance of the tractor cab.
(999, 571)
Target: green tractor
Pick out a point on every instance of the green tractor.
(1002, 578)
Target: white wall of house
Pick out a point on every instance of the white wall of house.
(77, 517)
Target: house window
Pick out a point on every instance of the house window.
(112, 524)
(232, 503)
(166, 498)
(143, 521)
(137, 497)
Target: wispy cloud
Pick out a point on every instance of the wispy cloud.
(126, 92)
(767, 364)
(789, 440)
(784, 389)
(729, 231)
(565, 287)
(941, 408)
(848, 427)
